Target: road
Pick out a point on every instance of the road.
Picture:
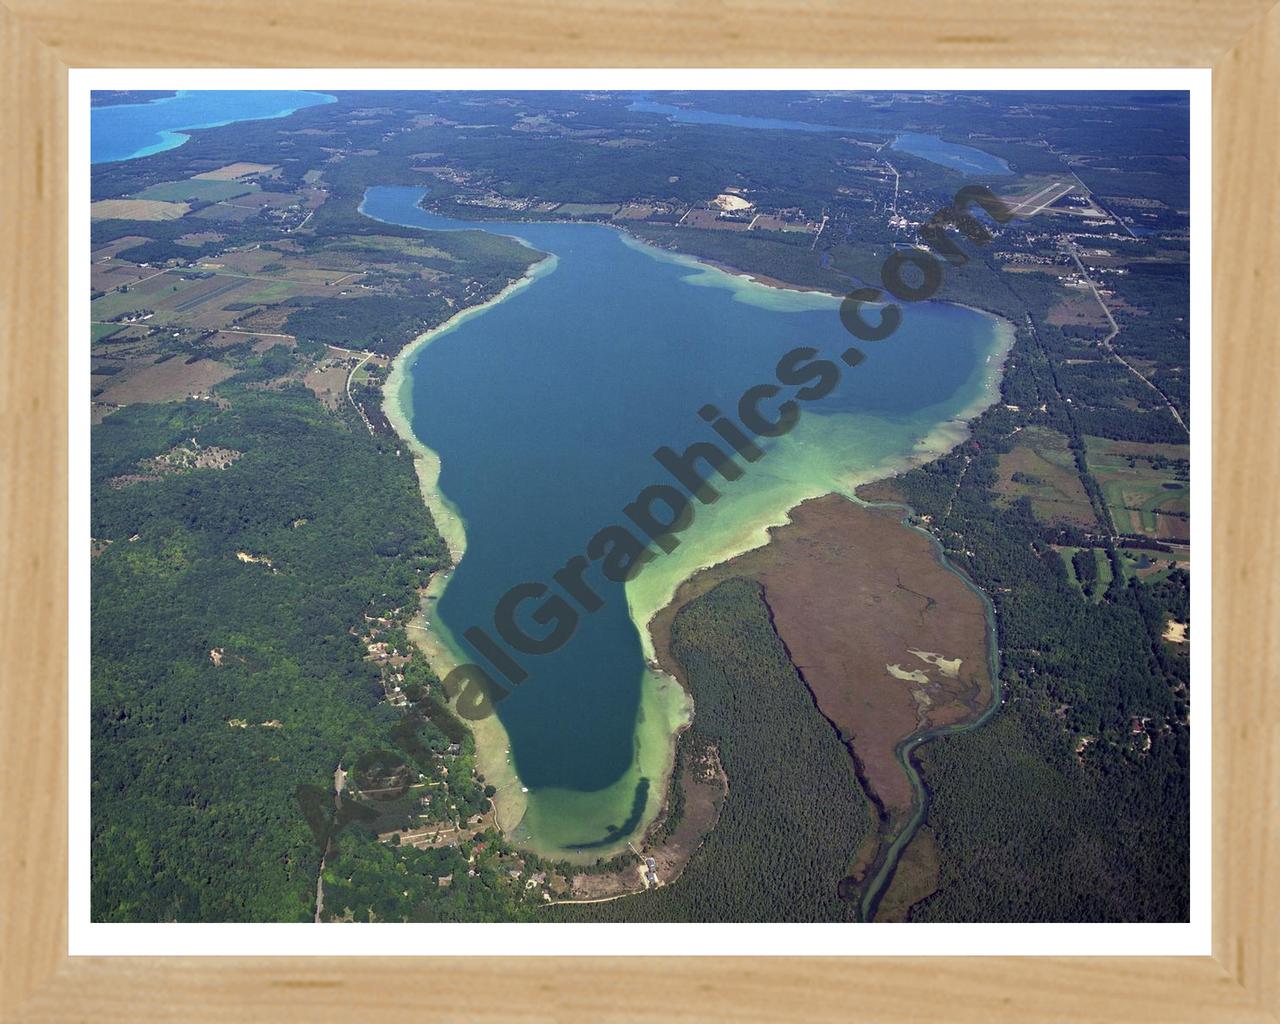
(1115, 329)
(351, 398)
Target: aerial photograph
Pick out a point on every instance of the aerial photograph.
(616, 506)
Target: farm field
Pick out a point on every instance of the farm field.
(167, 381)
(97, 332)
(230, 172)
(1041, 467)
(586, 209)
(1145, 486)
(136, 209)
(195, 188)
(111, 274)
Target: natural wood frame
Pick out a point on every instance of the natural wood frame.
(41, 39)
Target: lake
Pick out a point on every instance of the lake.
(950, 154)
(953, 155)
(545, 409)
(131, 130)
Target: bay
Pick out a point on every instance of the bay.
(131, 130)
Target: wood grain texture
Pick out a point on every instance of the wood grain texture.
(33, 512)
(657, 33)
(1246, 591)
(39, 39)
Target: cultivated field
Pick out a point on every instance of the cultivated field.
(1041, 467)
(136, 209)
(168, 381)
(195, 188)
(237, 170)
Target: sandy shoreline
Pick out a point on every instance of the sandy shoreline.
(492, 743)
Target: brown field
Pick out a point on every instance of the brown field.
(634, 211)
(256, 200)
(1047, 475)
(222, 211)
(199, 238)
(711, 220)
(1080, 309)
(116, 245)
(889, 641)
(767, 222)
(169, 381)
(104, 276)
(136, 209)
(1172, 527)
(237, 170)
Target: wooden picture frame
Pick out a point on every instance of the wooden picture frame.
(42, 39)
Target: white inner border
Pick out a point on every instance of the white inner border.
(88, 938)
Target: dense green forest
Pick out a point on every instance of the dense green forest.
(795, 814)
(1073, 803)
(194, 817)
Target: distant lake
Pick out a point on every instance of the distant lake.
(950, 154)
(127, 131)
(927, 147)
(689, 115)
(545, 410)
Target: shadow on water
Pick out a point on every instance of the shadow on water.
(615, 832)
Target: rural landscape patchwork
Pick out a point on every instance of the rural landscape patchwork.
(662, 507)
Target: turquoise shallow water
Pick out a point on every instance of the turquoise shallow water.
(545, 411)
(132, 130)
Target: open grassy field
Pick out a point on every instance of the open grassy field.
(586, 209)
(99, 331)
(1041, 467)
(1146, 486)
(136, 209)
(1152, 566)
(230, 172)
(1100, 560)
(195, 188)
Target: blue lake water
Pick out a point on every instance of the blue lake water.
(966, 159)
(545, 410)
(128, 131)
(689, 115)
(954, 155)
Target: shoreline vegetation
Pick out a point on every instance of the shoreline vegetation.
(664, 697)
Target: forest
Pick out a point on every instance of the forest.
(194, 816)
(795, 814)
(1073, 803)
